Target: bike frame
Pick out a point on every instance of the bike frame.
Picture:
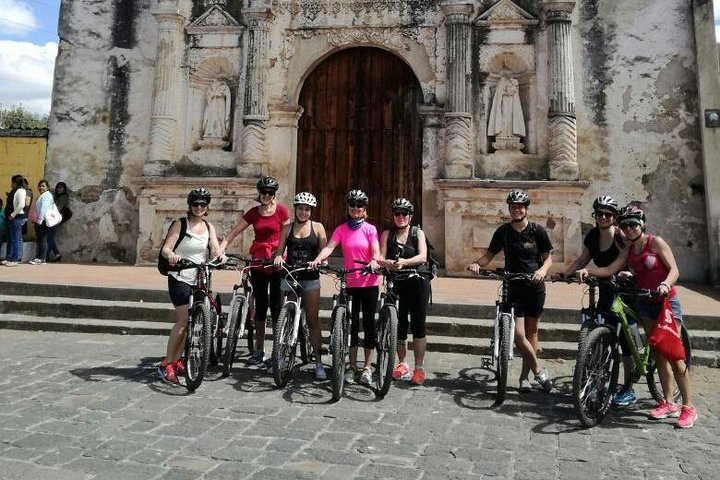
(297, 293)
(247, 292)
(641, 361)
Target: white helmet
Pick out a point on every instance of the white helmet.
(305, 198)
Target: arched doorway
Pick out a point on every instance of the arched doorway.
(360, 129)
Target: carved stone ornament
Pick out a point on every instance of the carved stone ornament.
(505, 12)
(213, 20)
(524, 53)
(378, 36)
(311, 9)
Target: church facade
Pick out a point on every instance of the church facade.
(450, 103)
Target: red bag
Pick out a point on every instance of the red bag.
(665, 338)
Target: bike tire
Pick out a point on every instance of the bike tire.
(250, 326)
(283, 353)
(218, 331)
(197, 346)
(503, 363)
(653, 381)
(386, 346)
(585, 329)
(233, 335)
(596, 375)
(306, 350)
(338, 350)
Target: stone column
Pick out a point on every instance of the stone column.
(433, 220)
(562, 123)
(163, 120)
(255, 115)
(458, 125)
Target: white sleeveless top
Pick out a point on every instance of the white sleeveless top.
(193, 247)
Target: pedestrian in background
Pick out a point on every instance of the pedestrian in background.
(39, 213)
(16, 219)
(62, 202)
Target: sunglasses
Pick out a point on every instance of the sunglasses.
(630, 225)
(401, 213)
(603, 214)
(267, 192)
(199, 204)
(356, 205)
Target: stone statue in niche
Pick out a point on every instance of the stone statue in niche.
(216, 118)
(506, 123)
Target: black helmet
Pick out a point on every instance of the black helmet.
(402, 204)
(606, 202)
(631, 213)
(518, 196)
(199, 194)
(268, 183)
(357, 196)
(305, 198)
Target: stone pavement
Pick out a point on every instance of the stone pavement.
(89, 406)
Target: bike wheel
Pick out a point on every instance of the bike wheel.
(218, 332)
(337, 347)
(654, 383)
(503, 360)
(585, 329)
(306, 350)
(386, 346)
(250, 326)
(233, 334)
(596, 375)
(283, 354)
(197, 346)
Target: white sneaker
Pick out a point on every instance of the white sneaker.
(320, 372)
(36, 261)
(542, 378)
(525, 386)
(366, 376)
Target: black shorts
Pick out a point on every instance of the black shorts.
(179, 292)
(528, 298)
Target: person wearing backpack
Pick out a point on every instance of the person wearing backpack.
(405, 245)
(189, 238)
(527, 249)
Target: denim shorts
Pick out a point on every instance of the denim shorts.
(649, 309)
(305, 285)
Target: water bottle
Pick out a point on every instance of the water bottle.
(635, 333)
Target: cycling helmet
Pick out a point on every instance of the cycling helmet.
(402, 204)
(518, 196)
(356, 196)
(305, 198)
(631, 213)
(605, 202)
(268, 183)
(199, 194)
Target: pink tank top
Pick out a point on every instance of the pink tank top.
(648, 268)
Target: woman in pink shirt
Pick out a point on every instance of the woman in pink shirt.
(267, 220)
(359, 241)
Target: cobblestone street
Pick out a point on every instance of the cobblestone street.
(89, 406)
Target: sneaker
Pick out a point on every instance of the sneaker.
(418, 376)
(36, 261)
(542, 378)
(320, 372)
(179, 366)
(350, 375)
(625, 397)
(167, 372)
(401, 372)
(366, 376)
(665, 410)
(688, 415)
(3, 262)
(256, 358)
(525, 386)
(11, 264)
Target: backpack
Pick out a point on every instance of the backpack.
(163, 265)
(431, 266)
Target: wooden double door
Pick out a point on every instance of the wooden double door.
(360, 129)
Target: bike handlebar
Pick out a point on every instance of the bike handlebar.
(619, 285)
(501, 274)
(185, 263)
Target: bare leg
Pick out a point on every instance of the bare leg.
(526, 340)
(176, 340)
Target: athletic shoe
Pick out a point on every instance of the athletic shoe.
(167, 372)
(11, 264)
(256, 358)
(320, 372)
(525, 386)
(350, 375)
(179, 366)
(401, 372)
(418, 376)
(366, 376)
(665, 410)
(688, 415)
(625, 397)
(36, 261)
(542, 378)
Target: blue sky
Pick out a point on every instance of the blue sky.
(28, 47)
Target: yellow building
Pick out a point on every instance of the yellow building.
(22, 152)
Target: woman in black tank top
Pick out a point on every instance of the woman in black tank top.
(302, 240)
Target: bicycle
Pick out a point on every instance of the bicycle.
(291, 327)
(241, 312)
(203, 322)
(501, 343)
(597, 366)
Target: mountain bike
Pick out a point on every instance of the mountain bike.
(598, 363)
(501, 343)
(291, 328)
(203, 320)
(241, 317)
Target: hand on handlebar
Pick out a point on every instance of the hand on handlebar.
(317, 263)
(278, 261)
(538, 276)
(173, 259)
(582, 274)
(474, 268)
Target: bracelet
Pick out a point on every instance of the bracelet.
(666, 284)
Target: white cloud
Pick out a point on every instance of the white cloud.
(16, 18)
(26, 74)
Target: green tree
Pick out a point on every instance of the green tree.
(17, 118)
